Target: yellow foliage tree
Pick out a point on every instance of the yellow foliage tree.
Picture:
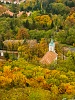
(43, 20)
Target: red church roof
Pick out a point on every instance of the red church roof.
(48, 58)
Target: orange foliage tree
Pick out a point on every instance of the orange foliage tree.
(22, 33)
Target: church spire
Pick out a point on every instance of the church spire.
(52, 46)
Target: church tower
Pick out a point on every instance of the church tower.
(51, 55)
(52, 46)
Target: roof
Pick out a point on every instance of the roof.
(6, 42)
(12, 1)
(48, 58)
(28, 13)
(9, 12)
(32, 43)
(20, 13)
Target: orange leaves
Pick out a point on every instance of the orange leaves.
(69, 88)
(66, 88)
(2, 9)
(40, 79)
(71, 18)
(22, 33)
(12, 77)
(46, 86)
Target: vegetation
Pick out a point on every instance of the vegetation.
(37, 20)
(23, 80)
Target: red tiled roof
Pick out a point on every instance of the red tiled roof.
(20, 13)
(9, 13)
(48, 58)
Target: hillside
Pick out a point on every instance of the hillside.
(22, 80)
(26, 29)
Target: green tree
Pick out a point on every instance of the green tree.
(70, 3)
(26, 24)
(58, 8)
(6, 55)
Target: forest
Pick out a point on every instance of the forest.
(33, 23)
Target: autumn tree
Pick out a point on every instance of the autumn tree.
(70, 20)
(42, 48)
(24, 51)
(44, 21)
(22, 33)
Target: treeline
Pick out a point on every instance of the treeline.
(56, 16)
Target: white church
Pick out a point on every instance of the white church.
(51, 55)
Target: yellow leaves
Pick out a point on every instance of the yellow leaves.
(54, 89)
(7, 70)
(24, 51)
(37, 18)
(63, 77)
(44, 20)
(32, 76)
(18, 76)
(12, 76)
(71, 18)
(55, 73)
(4, 81)
(47, 73)
(19, 79)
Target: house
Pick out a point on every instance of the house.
(31, 43)
(20, 13)
(6, 42)
(51, 55)
(12, 44)
(28, 13)
(9, 13)
(13, 1)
